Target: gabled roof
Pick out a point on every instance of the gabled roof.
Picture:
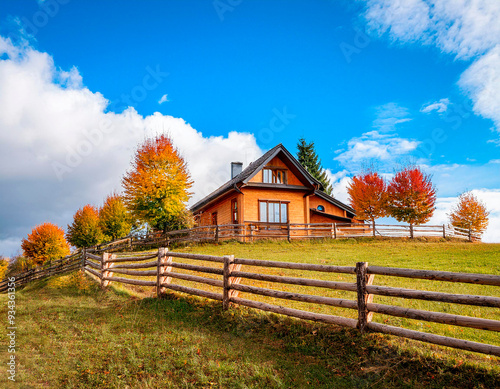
(251, 170)
(334, 201)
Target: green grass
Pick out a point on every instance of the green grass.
(72, 335)
(438, 254)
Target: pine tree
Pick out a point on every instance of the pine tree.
(306, 154)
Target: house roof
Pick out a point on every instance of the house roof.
(334, 201)
(330, 216)
(253, 168)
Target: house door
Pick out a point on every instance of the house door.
(214, 218)
(234, 211)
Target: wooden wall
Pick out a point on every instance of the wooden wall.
(223, 209)
(314, 201)
(277, 162)
(297, 213)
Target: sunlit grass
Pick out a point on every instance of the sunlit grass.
(73, 335)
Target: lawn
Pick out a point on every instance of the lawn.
(421, 254)
(73, 335)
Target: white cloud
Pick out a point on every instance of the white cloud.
(381, 144)
(340, 181)
(389, 115)
(163, 99)
(439, 106)
(482, 83)
(465, 28)
(468, 29)
(60, 149)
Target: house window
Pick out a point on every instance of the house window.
(321, 208)
(234, 211)
(274, 176)
(273, 211)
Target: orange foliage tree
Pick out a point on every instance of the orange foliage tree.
(412, 197)
(368, 196)
(470, 213)
(114, 219)
(45, 243)
(156, 188)
(85, 230)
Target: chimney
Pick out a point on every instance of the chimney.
(236, 168)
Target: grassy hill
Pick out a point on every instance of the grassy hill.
(73, 335)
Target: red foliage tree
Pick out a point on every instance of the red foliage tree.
(412, 197)
(45, 243)
(368, 196)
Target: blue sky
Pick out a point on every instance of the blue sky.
(370, 82)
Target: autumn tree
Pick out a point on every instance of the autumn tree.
(412, 197)
(85, 230)
(368, 196)
(306, 154)
(114, 219)
(4, 264)
(45, 243)
(470, 213)
(156, 188)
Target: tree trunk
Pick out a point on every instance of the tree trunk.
(411, 231)
(373, 223)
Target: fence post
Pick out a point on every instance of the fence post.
(216, 233)
(288, 232)
(228, 261)
(444, 231)
(106, 262)
(130, 244)
(470, 235)
(84, 258)
(411, 231)
(162, 262)
(334, 230)
(362, 280)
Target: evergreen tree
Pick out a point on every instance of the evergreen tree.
(309, 159)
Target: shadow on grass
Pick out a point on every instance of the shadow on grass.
(111, 339)
(325, 354)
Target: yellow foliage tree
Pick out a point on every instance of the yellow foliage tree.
(470, 213)
(114, 219)
(45, 243)
(85, 230)
(156, 188)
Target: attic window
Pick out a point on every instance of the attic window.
(274, 176)
(321, 208)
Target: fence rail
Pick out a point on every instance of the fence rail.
(252, 231)
(229, 282)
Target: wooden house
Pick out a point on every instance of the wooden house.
(275, 189)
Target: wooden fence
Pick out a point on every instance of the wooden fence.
(159, 271)
(60, 266)
(252, 231)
